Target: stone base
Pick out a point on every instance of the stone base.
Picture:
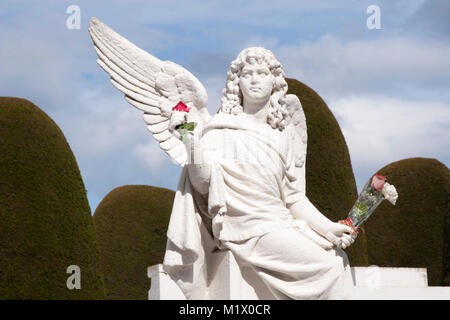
(402, 293)
(233, 283)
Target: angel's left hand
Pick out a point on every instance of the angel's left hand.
(340, 234)
(346, 240)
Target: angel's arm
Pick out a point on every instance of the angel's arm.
(296, 200)
(300, 206)
(198, 166)
(199, 175)
(303, 209)
(199, 169)
(336, 233)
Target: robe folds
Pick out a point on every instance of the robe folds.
(252, 185)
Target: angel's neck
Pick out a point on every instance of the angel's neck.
(256, 111)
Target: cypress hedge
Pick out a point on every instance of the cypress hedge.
(414, 232)
(131, 223)
(46, 223)
(330, 183)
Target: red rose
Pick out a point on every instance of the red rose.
(181, 107)
(378, 182)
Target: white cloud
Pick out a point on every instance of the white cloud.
(55, 68)
(150, 155)
(389, 94)
(380, 130)
(262, 41)
(101, 122)
(394, 65)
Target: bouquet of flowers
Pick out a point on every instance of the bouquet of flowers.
(184, 128)
(375, 191)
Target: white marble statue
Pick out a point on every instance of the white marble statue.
(242, 186)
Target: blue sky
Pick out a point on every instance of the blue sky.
(388, 88)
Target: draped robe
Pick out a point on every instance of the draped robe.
(251, 186)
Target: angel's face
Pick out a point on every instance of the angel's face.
(256, 82)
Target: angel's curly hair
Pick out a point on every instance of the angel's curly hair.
(232, 95)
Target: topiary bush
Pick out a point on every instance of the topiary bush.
(46, 223)
(414, 232)
(131, 223)
(330, 183)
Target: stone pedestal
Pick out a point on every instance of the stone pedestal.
(229, 282)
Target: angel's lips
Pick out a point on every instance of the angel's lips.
(181, 107)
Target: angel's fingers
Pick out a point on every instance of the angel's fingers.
(342, 229)
(179, 115)
(333, 239)
(347, 237)
(345, 243)
(177, 119)
(327, 245)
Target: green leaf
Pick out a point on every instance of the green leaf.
(190, 126)
(360, 209)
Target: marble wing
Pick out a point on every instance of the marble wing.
(151, 85)
(298, 135)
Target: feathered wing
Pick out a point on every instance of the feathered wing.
(299, 137)
(151, 85)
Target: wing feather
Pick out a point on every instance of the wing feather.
(298, 136)
(153, 119)
(144, 107)
(163, 136)
(169, 143)
(134, 95)
(125, 54)
(116, 72)
(159, 127)
(149, 84)
(178, 153)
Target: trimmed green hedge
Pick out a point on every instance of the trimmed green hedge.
(131, 223)
(330, 184)
(414, 232)
(46, 223)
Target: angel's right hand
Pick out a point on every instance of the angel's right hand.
(177, 118)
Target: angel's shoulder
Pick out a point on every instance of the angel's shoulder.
(212, 134)
(213, 127)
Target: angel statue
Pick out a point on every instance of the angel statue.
(242, 186)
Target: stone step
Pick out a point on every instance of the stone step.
(402, 293)
(375, 276)
(371, 283)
